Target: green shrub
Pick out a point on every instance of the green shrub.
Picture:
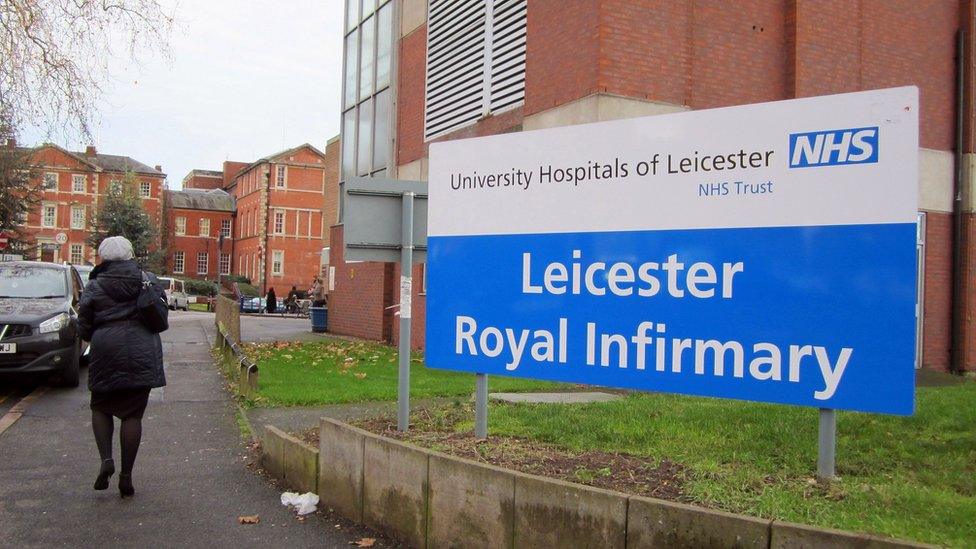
(200, 287)
(248, 290)
(236, 278)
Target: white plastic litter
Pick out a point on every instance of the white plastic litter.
(303, 503)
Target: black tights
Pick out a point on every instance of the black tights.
(130, 434)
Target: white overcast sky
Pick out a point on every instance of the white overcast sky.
(246, 78)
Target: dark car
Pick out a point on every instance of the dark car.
(39, 320)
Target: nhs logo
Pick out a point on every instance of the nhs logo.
(834, 147)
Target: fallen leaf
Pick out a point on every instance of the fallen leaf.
(360, 375)
(365, 542)
(249, 519)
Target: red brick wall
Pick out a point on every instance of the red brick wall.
(844, 45)
(357, 306)
(330, 202)
(412, 67)
(936, 334)
(737, 53)
(204, 182)
(554, 28)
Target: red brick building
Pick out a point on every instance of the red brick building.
(199, 232)
(204, 179)
(554, 63)
(281, 228)
(73, 183)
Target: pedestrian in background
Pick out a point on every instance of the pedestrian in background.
(318, 292)
(126, 359)
(271, 301)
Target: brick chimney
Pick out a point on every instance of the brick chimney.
(90, 150)
(159, 168)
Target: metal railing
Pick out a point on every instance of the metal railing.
(247, 369)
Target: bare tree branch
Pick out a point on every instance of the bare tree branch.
(56, 53)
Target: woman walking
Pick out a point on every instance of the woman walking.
(126, 358)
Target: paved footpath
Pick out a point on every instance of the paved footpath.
(191, 482)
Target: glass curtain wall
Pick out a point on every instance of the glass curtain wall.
(366, 98)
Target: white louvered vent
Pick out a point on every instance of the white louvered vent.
(507, 54)
(475, 61)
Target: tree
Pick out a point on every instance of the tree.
(120, 214)
(20, 192)
(55, 56)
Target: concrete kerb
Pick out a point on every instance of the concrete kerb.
(470, 503)
(395, 490)
(341, 453)
(548, 512)
(659, 523)
(290, 460)
(788, 534)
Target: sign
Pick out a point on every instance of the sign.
(371, 219)
(11, 257)
(763, 252)
(60, 238)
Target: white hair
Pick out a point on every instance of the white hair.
(115, 248)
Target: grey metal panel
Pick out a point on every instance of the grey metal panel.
(372, 217)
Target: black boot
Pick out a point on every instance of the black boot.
(106, 472)
(125, 485)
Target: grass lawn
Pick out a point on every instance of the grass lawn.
(337, 371)
(908, 477)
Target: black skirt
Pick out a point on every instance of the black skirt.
(123, 403)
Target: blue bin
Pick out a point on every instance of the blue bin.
(320, 318)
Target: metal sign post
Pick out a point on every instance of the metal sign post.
(386, 220)
(406, 283)
(827, 444)
(481, 406)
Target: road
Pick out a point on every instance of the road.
(190, 477)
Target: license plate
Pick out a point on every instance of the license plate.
(7, 348)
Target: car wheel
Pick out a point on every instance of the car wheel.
(70, 375)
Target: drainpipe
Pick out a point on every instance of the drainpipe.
(957, 325)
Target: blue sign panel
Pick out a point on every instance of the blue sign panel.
(676, 254)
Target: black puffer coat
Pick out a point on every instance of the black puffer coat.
(124, 354)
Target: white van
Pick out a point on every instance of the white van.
(175, 294)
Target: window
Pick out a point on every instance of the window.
(145, 189)
(178, 262)
(76, 254)
(280, 176)
(77, 217)
(480, 73)
(204, 227)
(224, 264)
(366, 119)
(279, 222)
(49, 215)
(240, 265)
(77, 183)
(225, 228)
(202, 260)
(180, 228)
(50, 181)
(278, 262)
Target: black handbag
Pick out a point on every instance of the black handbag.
(152, 306)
